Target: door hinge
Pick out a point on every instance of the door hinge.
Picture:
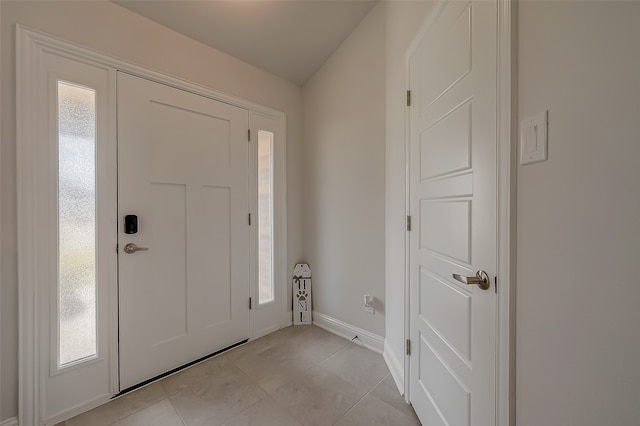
(249, 303)
(408, 97)
(408, 347)
(495, 288)
(249, 135)
(408, 223)
(249, 219)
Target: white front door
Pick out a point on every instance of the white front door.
(183, 172)
(452, 77)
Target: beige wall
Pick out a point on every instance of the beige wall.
(110, 29)
(343, 196)
(578, 293)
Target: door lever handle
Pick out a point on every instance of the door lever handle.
(481, 279)
(132, 248)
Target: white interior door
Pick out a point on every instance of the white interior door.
(183, 171)
(452, 76)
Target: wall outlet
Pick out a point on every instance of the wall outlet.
(368, 304)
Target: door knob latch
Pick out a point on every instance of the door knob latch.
(132, 248)
(481, 280)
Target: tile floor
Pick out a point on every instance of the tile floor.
(296, 376)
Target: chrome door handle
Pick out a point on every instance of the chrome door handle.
(481, 279)
(132, 248)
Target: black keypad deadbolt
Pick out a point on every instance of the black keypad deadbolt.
(131, 224)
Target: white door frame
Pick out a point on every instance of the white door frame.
(30, 44)
(277, 125)
(1, 414)
(506, 157)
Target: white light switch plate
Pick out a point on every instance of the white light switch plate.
(533, 138)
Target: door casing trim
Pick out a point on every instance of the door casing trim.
(279, 221)
(30, 44)
(506, 127)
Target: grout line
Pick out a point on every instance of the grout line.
(175, 410)
(363, 397)
(344, 348)
(245, 410)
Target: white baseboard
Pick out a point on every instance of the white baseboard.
(78, 409)
(365, 338)
(10, 422)
(288, 320)
(264, 332)
(395, 367)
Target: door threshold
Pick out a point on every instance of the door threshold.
(175, 370)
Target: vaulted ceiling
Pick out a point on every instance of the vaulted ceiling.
(291, 39)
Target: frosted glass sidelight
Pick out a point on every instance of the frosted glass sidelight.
(76, 223)
(265, 217)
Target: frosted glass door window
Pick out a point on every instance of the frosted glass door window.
(265, 217)
(76, 223)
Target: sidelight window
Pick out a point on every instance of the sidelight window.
(265, 217)
(76, 223)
